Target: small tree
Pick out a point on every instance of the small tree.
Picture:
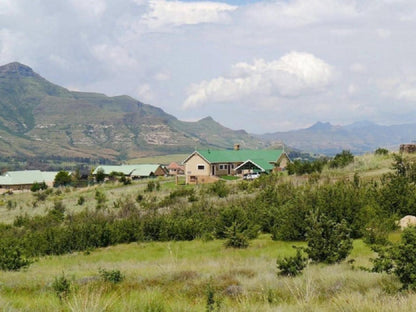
(292, 266)
(404, 257)
(62, 178)
(328, 241)
(100, 175)
(235, 237)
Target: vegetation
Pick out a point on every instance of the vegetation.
(144, 226)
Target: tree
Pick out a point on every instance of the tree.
(100, 175)
(62, 178)
(328, 241)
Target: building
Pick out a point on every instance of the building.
(175, 169)
(23, 180)
(134, 171)
(206, 166)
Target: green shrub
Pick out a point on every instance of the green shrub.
(219, 188)
(235, 237)
(151, 185)
(62, 286)
(404, 257)
(292, 266)
(381, 151)
(342, 159)
(328, 241)
(81, 200)
(38, 186)
(11, 258)
(112, 276)
(62, 178)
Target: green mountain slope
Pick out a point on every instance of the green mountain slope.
(41, 119)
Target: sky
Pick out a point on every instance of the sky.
(262, 66)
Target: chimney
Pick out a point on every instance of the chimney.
(236, 147)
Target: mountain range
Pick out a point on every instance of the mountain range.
(41, 119)
(358, 137)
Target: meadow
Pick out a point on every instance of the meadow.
(184, 265)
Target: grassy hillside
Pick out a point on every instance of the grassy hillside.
(177, 260)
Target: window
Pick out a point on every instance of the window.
(201, 167)
(223, 167)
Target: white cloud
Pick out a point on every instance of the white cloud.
(294, 74)
(403, 88)
(115, 57)
(175, 13)
(90, 7)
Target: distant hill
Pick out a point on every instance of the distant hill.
(41, 119)
(359, 137)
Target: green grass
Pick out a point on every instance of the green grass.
(174, 276)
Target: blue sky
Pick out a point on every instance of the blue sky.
(262, 66)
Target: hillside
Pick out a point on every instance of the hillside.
(359, 137)
(41, 119)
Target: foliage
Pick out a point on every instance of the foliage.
(235, 237)
(151, 186)
(342, 159)
(381, 151)
(292, 266)
(62, 286)
(62, 178)
(404, 257)
(100, 176)
(12, 259)
(38, 186)
(328, 241)
(219, 188)
(112, 276)
(81, 200)
(306, 167)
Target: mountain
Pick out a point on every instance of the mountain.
(41, 119)
(359, 137)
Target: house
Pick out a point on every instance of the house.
(23, 180)
(175, 169)
(134, 171)
(204, 166)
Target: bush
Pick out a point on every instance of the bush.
(62, 178)
(292, 266)
(81, 200)
(219, 188)
(100, 175)
(381, 151)
(113, 276)
(236, 238)
(404, 257)
(342, 159)
(62, 286)
(38, 186)
(11, 259)
(328, 241)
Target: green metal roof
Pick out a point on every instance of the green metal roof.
(26, 177)
(142, 170)
(261, 164)
(226, 156)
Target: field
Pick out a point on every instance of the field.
(200, 274)
(177, 276)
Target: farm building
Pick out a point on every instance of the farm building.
(134, 171)
(207, 165)
(23, 180)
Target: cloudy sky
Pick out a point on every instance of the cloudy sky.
(263, 66)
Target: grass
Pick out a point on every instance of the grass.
(175, 276)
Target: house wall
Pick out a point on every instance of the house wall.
(191, 169)
(159, 172)
(283, 161)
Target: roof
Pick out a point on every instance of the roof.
(27, 177)
(226, 156)
(259, 163)
(142, 170)
(174, 165)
